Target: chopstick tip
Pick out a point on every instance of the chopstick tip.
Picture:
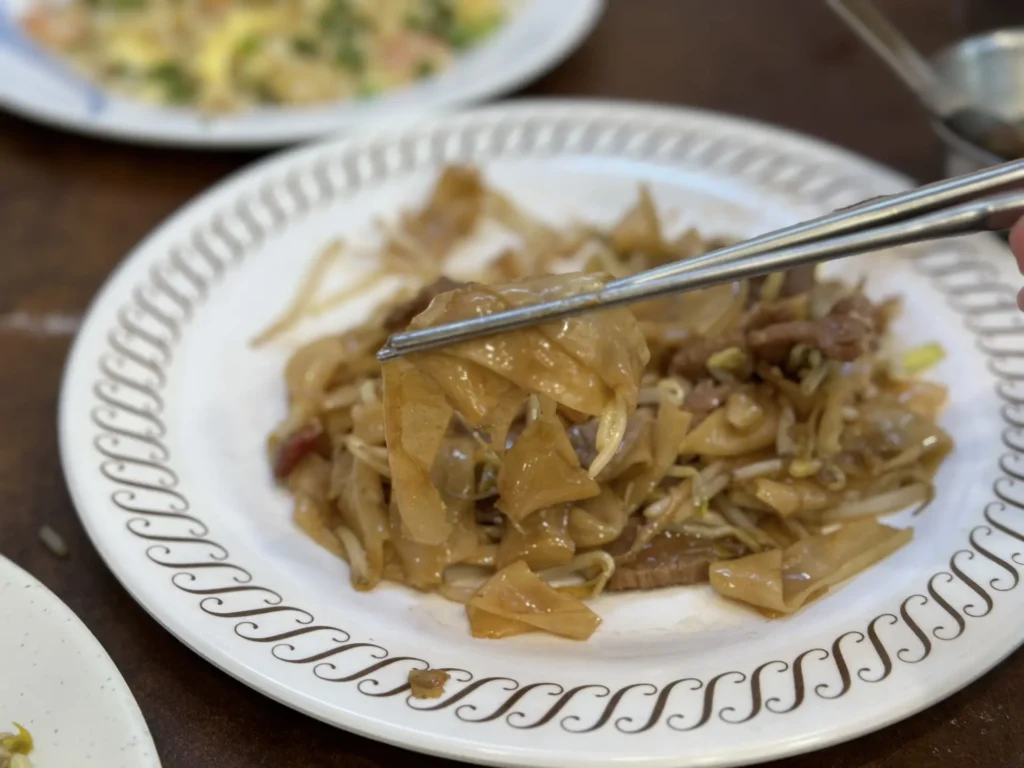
(386, 353)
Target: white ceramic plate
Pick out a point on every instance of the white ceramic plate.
(165, 409)
(37, 85)
(58, 682)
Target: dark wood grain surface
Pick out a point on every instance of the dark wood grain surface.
(71, 208)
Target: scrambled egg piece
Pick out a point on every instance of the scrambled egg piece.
(136, 48)
(477, 13)
(213, 64)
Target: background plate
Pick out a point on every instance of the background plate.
(61, 685)
(165, 409)
(538, 35)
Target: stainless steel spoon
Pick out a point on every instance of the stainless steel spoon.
(979, 127)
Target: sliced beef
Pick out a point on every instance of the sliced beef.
(798, 280)
(845, 334)
(857, 306)
(295, 448)
(691, 359)
(401, 315)
(704, 398)
(582, 438)
(840, 338)
(772, 330)
(621, 545)
(669, 559)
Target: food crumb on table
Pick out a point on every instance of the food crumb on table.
(428, 683)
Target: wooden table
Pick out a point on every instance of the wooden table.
(71, 208)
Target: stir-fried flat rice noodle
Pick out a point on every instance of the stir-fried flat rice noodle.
(749, 436)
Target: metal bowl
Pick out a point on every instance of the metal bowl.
(989, 69)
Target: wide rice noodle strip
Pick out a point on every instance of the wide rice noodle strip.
(608, 342)
(639, 231)
(541, 541)
(516, 600)
(309, 483)
(715, 436)
(538, 238)
(450, 215)
(635, 451)
(332, 362)
(541, 469)
(423, 565)
(454, 475)
(707, 313)
(492, 626)
(314, 519)
(416, 417)
(925, 398)
(888, 436)
(361, 504)
(525, 357)
(598, 520)
(670, 428)
(454, 471)
(793, 497)
(312, 366)
(782, 581)
(486, 400)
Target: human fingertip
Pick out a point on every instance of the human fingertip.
(1017, 243)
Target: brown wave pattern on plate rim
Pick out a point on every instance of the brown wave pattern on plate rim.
(133, 371)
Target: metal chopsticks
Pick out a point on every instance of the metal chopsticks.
(947, 208)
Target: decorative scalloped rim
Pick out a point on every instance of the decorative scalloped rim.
(133, 371)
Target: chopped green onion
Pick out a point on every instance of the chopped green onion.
(350, 57)
(19, 743)
(462, 36)
(341, 20)
(921, 358)
(367, 91)
(248, 46)
(426, 68)
(120, 5)
(437, 18)
(305, 46)
(178, 86)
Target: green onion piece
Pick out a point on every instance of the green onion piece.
(304, 46)
(248, 46)
(350, 57)
(119, 5)
(367, 91)
(464, 35)
(921, 358)
(178, 86)
(20, 743)
(426, 68)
